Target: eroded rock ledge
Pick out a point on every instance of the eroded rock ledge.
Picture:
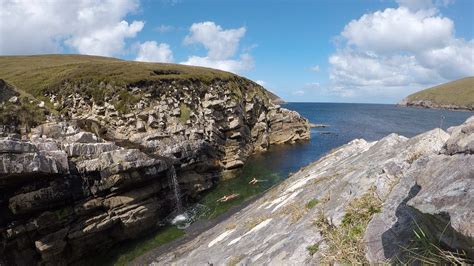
(363, 202)
(73, 188)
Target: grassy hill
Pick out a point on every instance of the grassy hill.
(40, 74)
(458, 94)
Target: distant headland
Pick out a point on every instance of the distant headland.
(454, 95)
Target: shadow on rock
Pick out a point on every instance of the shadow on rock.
(401, 232)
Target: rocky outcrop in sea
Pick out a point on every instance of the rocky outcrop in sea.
(389, 201)
(104, 173)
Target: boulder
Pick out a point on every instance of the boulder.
(88, 150)
(13, 99)
(82, 137)
(34, 163)
(462, 139)
(16, 146)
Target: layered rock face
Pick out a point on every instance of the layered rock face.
(182, 120)
(73, 188)
(363, 202)
(66, 192)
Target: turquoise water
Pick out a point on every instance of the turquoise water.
(346, 122)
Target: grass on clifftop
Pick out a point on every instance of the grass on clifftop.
(41, 73)
(97, 77)
(459, 93)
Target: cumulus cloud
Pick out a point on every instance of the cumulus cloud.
(106, 41)
(261, 83)
(89, 27)
(222, 46)
(220, 43)
(232, 65)
(410, 46)
(395, 30)
(150, 51)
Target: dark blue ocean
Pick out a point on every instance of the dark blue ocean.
(348, 121)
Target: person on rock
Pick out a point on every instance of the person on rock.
(228, 197)
(255, 181)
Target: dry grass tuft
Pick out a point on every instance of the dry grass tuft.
(230, 226)
(426, 249)
(345, 243)
(293, 211)
(233, 260)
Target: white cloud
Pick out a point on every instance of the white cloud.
(261, 83)
(90, 27)
(222, 46)
(402, 48)
(244, 63)
(106, 41)
(394, 30)
(315, 68)
(150, 51)
(164, 28)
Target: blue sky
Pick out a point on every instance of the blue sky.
(331, 51)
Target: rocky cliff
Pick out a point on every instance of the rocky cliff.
(390, 201)
(107, 163)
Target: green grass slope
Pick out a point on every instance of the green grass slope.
(458, 94)
(38, 74)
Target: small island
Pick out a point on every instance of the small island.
(454, 95)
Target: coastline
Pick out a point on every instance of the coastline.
(291, 222)
(455, 109)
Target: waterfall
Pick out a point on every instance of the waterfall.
(176, 190)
